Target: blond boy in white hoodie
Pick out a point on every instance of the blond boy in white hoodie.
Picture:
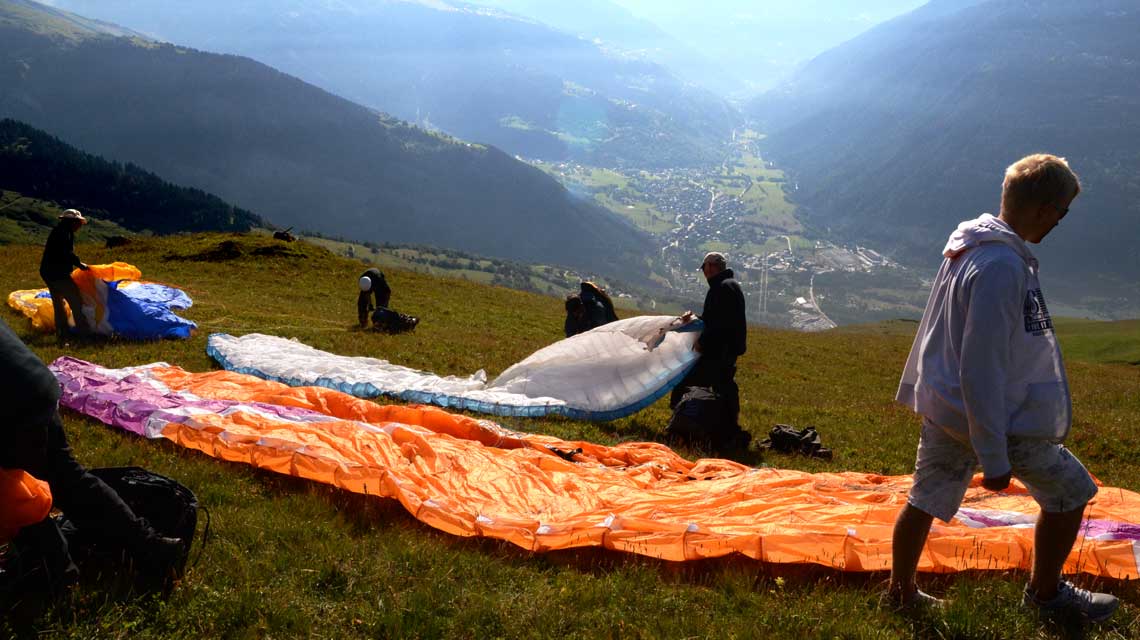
(986, 375)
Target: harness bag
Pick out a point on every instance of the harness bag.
(699, 416)
(167, 505)
(389, 321)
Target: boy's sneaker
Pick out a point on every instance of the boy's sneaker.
(1090, 605)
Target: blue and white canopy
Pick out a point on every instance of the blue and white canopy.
(610, 372)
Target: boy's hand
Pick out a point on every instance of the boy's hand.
(999, 483)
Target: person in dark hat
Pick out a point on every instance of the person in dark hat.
(56, 265)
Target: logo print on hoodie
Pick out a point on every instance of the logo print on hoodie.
(1037, 320)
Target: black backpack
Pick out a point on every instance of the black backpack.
(698, 417)
(389, 321)
(788, 439)
(167, 505)
(47, 557)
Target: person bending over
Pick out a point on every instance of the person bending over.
(372, 284)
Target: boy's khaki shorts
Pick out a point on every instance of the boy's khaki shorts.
(946, 462)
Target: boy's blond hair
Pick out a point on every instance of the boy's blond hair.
(1036, 180)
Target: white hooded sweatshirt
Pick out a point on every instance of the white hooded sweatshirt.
(985, 360)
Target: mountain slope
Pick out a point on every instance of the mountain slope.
(615, 29)
(40, 166)
(35, 17)
(299, 156)
(475, 73)
(897, 135)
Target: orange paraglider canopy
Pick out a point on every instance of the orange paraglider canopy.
(24, 500)
(472, 477)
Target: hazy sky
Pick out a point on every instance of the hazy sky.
(761, 37)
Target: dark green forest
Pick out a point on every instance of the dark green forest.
(38, 165)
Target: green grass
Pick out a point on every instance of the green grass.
(28, 220)
(289, 558)
(1116, 342)
(613, 191)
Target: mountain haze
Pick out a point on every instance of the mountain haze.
(763, 42)
(473, 72)
(899, 134)
(297, 155)
(615, 29)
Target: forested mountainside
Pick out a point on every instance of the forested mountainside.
(38, 165)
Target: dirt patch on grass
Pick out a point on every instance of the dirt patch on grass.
(232, 250)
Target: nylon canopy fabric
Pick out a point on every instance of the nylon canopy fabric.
(116, 303)
(24, 500)
(604, 374)
(471, 477)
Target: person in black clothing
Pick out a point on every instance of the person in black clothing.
(723, 340)
(372, 283)
(34, 440)
(576, 320)
(55, 268)
(599, 307)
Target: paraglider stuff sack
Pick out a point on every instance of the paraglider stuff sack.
(700, 415)
(389, 321)
(169, 507)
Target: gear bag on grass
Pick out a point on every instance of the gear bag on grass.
(787, 439)
(167, 505)
(389, 321)
(701, 417)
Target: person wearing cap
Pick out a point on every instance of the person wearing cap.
(723, 340)
(58, 261)
(372, 283)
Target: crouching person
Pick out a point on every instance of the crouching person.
(35, 442)
(986, 375)
(372, 285)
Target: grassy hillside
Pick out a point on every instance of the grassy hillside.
(294, 559)
(24, 219)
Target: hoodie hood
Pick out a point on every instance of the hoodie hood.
(983, 229)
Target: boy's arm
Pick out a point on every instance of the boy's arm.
(994, 302)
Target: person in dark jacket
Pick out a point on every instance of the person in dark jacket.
(576, 321)
(58, 261)
(372, 283)
(34, 440)
(723, 340)
(598, 304)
